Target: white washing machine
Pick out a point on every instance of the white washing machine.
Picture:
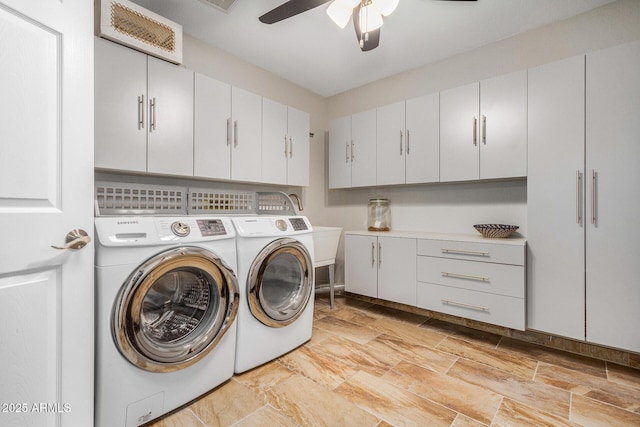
(166, 303)
(275, 276)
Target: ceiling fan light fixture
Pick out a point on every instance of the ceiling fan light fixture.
(370, 18)
(339, 14)
(385, 7)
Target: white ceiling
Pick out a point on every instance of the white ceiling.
(311, 51)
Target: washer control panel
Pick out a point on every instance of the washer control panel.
(298, 224)
(211, 227)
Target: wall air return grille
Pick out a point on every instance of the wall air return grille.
(127, 23)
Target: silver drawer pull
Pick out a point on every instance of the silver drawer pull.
(461, 252)
(465, 276)
(461, 304)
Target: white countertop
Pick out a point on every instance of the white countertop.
(518, 241)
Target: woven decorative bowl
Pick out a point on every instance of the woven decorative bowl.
(496, 231)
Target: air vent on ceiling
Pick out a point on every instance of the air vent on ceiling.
(223, 5)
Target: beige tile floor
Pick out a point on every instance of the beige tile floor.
(368, 365)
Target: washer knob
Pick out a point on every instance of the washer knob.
(180, 229)
(281, 224)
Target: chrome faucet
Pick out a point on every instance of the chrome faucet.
(295, 196)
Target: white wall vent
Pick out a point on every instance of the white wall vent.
(223, 5)
(127, 23)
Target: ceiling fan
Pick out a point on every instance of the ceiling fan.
(367, 15)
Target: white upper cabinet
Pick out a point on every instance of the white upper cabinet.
(422, 138)
(212, 128)
(363, 149)
(340, 152)
(298, 127)
(555, 222)
(352, 150)
(120, 107)
(483, 129)
(612, 203)
(275, 143)
(391, 144)
(246, 155)
(285, 144)
(459, 150)
(170, 130)
(503, 124)
(408, 142)
(143, 112)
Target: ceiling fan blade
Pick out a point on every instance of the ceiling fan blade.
(289, 9)
(372, 40)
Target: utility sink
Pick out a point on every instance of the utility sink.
(325, 244)
(325, 247)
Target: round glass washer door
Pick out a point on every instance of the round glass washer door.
(280, 282)
(174, 309)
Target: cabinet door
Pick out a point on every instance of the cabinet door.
(423, 139)
(360, 265)
(170, 129)
(274, 142)
(212, 128)
(340, 152)
(298, 124)
(555, 237)
(459, 133)
(613, 205)
(397, 270)
(120, 107)
(363, 149)
(246, 153)
(391, 144)
(503, 126)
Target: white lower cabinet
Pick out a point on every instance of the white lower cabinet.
(484, 282)
(381, 267)
(462, 276)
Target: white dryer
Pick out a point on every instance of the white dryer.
(166, 302)
(275, 275)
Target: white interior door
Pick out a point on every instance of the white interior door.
(46, 188)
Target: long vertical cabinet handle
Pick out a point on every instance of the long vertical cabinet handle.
(352, 156)
(346, 151)
(141, 112)
(235, 133)
(229, 131)
(152, 113)
(379, 255)
(475, 131)
(578, 197)
(484, 129)
(401, 143)
(407, 142)
(286, 150)
(373, 254)
(594, 177)
(290, 148)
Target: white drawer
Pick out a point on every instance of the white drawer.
(473, 251)
(501, 279)
(484, 307)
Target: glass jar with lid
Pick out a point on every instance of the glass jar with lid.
(379, 217)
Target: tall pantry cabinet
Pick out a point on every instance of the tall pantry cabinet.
(582, 198)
